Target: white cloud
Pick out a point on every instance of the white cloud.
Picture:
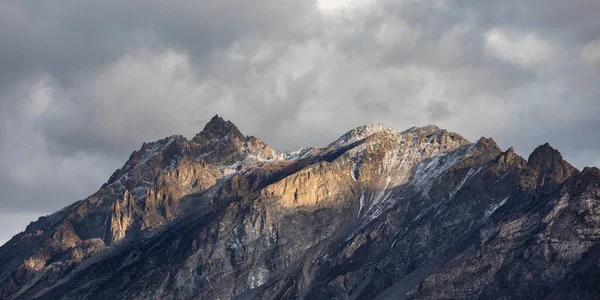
(341, 6)
(397, 34)
(525, 50)
(590, 53)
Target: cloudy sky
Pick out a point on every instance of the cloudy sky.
(84, 83)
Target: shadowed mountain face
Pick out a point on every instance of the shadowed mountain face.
(377, 214)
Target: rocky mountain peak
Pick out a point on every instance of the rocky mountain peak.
(510, 159)
(484, 149)
(546, 157)
(435, 134)
(362, 132)
(217, 129)
(548, 165)
(427, 134)
(511, 151)
(509, 155)
(590, 178)
(219, 142)
(418, 214)
(423, 130)
(143, 164)
(487, 143)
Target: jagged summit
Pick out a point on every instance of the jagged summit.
(549, 166)
(365, 131)
(218, 128)
(545, 156)
(362, 132)
(418, 214)
(423, 129)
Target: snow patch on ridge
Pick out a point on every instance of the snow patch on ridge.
(494, 207)
(150, 151)
(358, 160)
(361, 202)
(153, 150)
(298, 154)
(472, 172)
(427, 172)
(362, 132)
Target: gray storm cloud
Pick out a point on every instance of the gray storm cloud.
(84, 83)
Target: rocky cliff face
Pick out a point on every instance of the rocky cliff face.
(418, 214)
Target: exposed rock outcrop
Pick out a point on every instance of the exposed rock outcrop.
(377, 214)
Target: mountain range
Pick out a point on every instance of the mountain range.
(377, 214)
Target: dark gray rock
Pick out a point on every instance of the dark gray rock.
(377, 214)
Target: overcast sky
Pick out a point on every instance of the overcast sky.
(84, 83)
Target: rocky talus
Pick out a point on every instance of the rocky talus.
(377, 214)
